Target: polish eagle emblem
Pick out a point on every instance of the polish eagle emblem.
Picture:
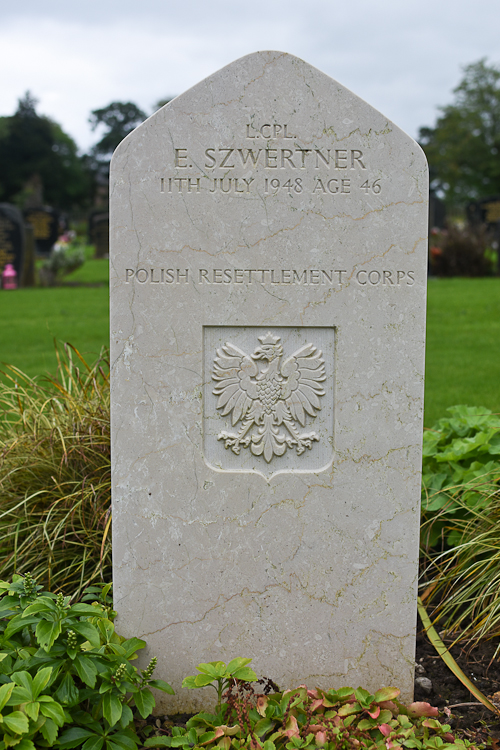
(268, 396)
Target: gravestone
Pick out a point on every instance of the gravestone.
(45, 223)
(268, 284)
(28, 278)
(11, 239)
(99, 232)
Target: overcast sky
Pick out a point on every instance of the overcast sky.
(404, 57)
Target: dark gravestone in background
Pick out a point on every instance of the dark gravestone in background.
(485, 211)
(99, 233)
(45, 223)
(11, 239)
(28, 278)
(437, 212)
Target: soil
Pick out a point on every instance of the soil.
(469, 718)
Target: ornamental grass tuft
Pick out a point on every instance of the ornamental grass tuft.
(462, 584)
(55, 474)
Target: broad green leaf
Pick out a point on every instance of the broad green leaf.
(107, 629)
(46, 633)
(364, 697)
(343, 693)
(40, 681)
(86, 609)
(215, 669)
(20, 695)
(386, 694)
(111, 708)
(349, 708)
(42, 604)
(159, 742)
(32, 709)
(237, 664)
(385, 716)
(131, 646)
(86, 669)
(201, 680)
(93, 743)
(120, 741)
(23, 679)
(67, 692)
(246, 674)
(17, 722)
(25, 745)
(5, 691)
(73, 737)
(189, 682)
(49, 731)
(181, 741)
(145, 702)
(127, 716)
(53, 710)
(263, 726)
(162, 685)
(88, 631)
(19, 623)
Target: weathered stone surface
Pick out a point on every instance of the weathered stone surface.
(267, 506)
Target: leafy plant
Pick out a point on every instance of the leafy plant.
(302, 718)
(222, 675)
(62, 666)
(55, 478)
(460, 471)
(63, 260)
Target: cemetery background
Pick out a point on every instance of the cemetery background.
(456, 302)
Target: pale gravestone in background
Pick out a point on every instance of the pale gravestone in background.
(268, 283)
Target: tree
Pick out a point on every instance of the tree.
(35, 150)
(119, 119)
(463, 148)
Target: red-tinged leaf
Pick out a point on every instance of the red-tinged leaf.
(313, 694)
(321, 738)
(390, 706)
(448, 737)
(374, 714)
(385, 729)
(316, 704)
(421, 708)
(292, 727)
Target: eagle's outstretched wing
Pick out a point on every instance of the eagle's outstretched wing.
(233, 371)
(304, 372)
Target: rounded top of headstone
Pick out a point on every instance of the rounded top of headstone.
(274, 85)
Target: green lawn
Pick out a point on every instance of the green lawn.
(33, 318)
(463, 345)
(463, 333)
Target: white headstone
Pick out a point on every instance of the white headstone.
(268, 284)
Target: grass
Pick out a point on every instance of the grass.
(33, 318)
(462, 353)
(463, 331)
(55, 474)
(464, 580)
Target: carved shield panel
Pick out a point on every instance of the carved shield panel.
(268, 399)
